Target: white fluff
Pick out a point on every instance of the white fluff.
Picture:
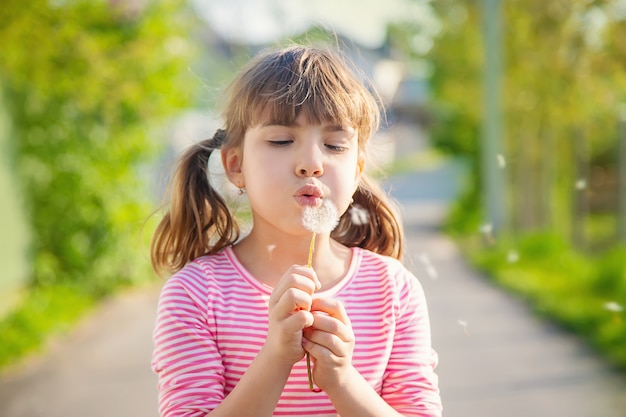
(322, 219)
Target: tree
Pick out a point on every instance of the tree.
(563, 83)
(89, 85)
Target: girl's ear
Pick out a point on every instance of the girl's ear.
(360, 165)
(231, 160)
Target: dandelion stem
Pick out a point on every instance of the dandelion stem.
(309, 372)
(311, 247)
(308, 355)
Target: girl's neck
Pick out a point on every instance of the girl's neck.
(267, 259)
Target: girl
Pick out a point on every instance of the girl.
(238, 316)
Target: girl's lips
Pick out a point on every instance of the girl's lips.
(306, 201)
(309, 195)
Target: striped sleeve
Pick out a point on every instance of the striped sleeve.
(410, 383)
(186, 358)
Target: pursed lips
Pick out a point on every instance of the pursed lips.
(309, 195)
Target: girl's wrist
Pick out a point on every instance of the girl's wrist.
(276, 359)
(343, 381)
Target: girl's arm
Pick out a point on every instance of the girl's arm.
(189, 366)
(331, 343)
(259, 390)
(410, 384)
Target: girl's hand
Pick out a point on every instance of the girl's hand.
(330, 341)
(290, 313)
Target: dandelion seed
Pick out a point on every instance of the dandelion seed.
(428, 266)
(501, 161)
(512, 257)
(432, 273)
(358, 215)
(270, 250)
(581, 184)
(463, 324)
(487, 231)
(486, 228)
(614, 307)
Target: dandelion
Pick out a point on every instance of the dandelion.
(581, 184)
(358, 215)
(322, 219)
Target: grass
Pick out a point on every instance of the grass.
(583, 291)
(585, 294)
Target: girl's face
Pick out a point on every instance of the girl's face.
(286, 168)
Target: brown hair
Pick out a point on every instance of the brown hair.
(276, 86)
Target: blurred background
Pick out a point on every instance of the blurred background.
(530, 96)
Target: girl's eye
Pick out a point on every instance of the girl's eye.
(280, 143)
(336, 148)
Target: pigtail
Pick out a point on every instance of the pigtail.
(198, 221)
(375, 225)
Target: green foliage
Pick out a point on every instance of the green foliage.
(586, 295)
(89, 85)
(562, 85)
(43, 313)
(465, 214)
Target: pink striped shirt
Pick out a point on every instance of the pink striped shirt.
(212, 321)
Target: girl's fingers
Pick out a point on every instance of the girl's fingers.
(296, 277)
(298, 321)
(329, 332)
(292, 300)
(331, 327)
(333, 308)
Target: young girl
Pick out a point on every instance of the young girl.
(238, 316)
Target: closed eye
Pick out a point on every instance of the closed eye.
(280, 143)
(336, 148)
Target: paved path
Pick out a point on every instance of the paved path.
(496, 358)
(100, 370)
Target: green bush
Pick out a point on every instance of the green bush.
(89, 85)
(585, 294)
(45, 312)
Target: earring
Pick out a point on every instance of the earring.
(241, 191)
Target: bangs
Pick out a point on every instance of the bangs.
(309, 82)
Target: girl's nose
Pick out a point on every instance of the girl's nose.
(310, 164)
